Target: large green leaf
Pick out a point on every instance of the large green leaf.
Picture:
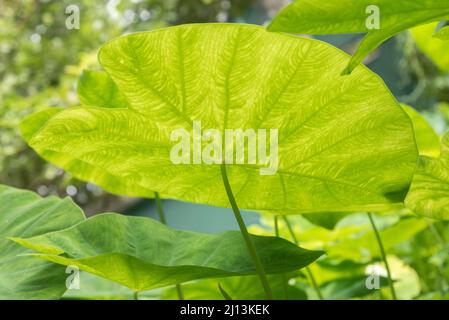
(81, 168)
(142, 253)
(96, 89)
(344, 143)
(433, 47)
(348, 16)
(429, 192)
(25, 214)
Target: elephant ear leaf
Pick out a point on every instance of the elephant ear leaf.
(429, 192)
(96, 89)
(25, 214)
(344, 143)
(380, 19)
(141, 253)
(81, 168)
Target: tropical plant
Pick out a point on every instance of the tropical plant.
(351, 171)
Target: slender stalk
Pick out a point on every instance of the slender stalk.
(136, 295)
(160, 209)
(284, 278)
(249, 244)
(384, 256)
(179, 291)
(309, 272)
(163, 219)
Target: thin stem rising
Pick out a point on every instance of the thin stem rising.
(249, 244)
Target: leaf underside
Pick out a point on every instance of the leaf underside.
(344, 143)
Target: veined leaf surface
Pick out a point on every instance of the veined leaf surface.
(96, 89)
(25, 214)
(80, 168)
(348, 16)
(344, 142)
(142, 253)
(429, 192)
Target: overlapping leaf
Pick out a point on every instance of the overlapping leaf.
(141, 253)
(429, 192)
(25, 214)
(344, 143)
(434, 48)
(348, 16)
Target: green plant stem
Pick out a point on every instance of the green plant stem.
(384, 256)
(136, 295)
(163, 219)
(309, 272)
(249, 244)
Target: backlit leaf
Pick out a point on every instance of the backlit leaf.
(344, 143)
(429, 192)
(96, 89)
(80, 168)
